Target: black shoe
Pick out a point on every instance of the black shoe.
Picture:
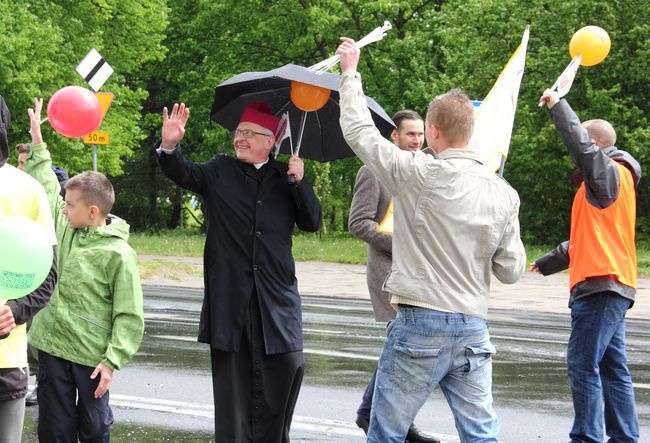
(31, 399)
(363, 423)
(414, 435)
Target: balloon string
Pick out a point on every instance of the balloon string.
(374, 36)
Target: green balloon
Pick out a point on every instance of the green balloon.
(25, 257)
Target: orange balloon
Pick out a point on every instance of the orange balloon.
(308, 97)
(592, 42)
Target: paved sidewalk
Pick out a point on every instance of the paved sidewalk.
(532, 293)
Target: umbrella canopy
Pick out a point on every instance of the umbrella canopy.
(322, 138)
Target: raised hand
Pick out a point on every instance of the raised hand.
(549, 98)
(349, 52)
(173, 128)
(35, 120)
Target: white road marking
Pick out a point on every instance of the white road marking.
(340, 354)
(301, 423)
(532, 340)
(326, 353)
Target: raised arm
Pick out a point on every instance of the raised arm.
(598, 170)
(392, 166)
(183, 172)
(38, 164)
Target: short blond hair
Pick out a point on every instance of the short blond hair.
(452, 113)
(95, 189)
(601, 131)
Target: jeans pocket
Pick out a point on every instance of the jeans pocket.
(478, 354)
(413, 366)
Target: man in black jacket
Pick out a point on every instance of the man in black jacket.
(251, 314)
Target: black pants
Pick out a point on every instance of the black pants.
(255, 394)
(67, 409)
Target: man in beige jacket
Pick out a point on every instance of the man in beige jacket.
(455, 223)
(371, 203)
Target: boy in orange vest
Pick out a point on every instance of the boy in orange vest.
(601, 257)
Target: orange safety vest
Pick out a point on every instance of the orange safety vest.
(602, 241)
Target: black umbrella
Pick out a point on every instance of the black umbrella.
(322, 139)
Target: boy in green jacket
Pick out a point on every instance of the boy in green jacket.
(94, 322)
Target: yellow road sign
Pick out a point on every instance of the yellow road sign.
(97, 138)
(105, 100)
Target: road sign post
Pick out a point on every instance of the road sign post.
(94, 139)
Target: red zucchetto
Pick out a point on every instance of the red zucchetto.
(260, 113)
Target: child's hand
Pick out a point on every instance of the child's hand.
(105, 378)
(35, 121)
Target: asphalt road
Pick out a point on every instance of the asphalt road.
(165, 393)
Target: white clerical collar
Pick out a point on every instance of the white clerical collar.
(259, 165)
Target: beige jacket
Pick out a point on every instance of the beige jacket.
(455, 220)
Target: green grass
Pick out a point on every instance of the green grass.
(306, 247)
(167, 270)
(338, 248)
(186, 243)
(643, 259)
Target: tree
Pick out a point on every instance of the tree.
(434, 46)
(43, 41)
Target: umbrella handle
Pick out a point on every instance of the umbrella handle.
(291, 179)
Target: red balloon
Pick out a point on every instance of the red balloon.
(74, 112)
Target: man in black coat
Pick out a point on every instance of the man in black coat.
(251, 314)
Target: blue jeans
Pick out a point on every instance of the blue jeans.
(425, 348)
(597, 364)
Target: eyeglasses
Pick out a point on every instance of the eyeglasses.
(248, 133)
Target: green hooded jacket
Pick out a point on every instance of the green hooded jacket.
(96, 312)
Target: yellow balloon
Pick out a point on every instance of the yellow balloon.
(592, 42)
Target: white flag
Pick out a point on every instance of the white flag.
(494, 118)
(565, 80)
(283, 132)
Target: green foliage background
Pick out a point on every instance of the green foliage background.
(165, 51)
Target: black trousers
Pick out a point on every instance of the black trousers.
(67, 409)
(255, 394)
